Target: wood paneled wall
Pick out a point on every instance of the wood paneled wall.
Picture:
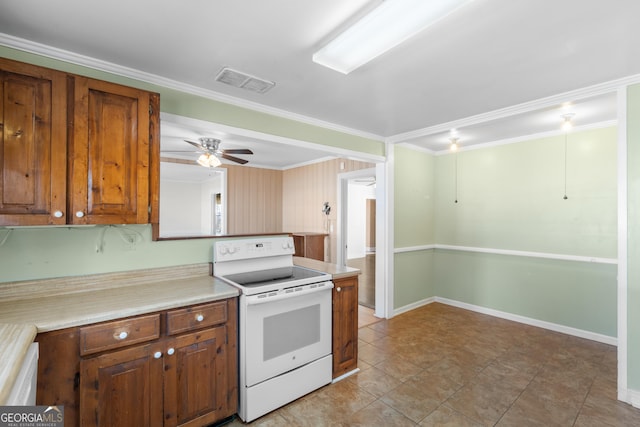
(254, 201)
(305, 189)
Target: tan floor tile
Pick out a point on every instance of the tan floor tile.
(532, 409)
(435, 384)
(483, 403)
(399, 368)
(374, 381)
(610, 412)
(447, 417)
(379, 414)
(411, 401)
(373, 354)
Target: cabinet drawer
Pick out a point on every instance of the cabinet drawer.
(119, 333)
(197, 317)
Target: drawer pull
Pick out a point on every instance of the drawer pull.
(338, 289)
(199, 317)
(122, 335)
(171, 351)
(157, 355)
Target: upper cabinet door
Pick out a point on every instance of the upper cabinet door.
(32, 145)
(109, 154)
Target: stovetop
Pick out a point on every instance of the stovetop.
(262, 264)
(253, 282)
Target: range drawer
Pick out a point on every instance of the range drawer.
(119, 333)
(187, 319)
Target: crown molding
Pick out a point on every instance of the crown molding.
(109, 67)
(592, 126)
(574, 95)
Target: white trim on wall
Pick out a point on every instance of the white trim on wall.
(623, 393)
(387, 269)
(587, 92)
(509, 252)
(532, 137)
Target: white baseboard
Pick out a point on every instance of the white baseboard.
(414, 305)
(530, 321)
(631, 397)
(516, 318)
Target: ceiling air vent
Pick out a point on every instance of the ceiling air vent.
(245, 81)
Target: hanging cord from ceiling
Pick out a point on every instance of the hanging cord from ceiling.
(567, 125)
(454, 148)
(455, 180)
(565, 166)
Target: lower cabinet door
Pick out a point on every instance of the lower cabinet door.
(196, 380)
(345, 325)
(122, 388)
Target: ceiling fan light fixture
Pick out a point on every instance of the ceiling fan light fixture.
(209, 160)
(567, 124)
(382, 29)
(454, 144)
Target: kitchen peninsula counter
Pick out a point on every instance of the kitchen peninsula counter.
(30, 307)
(336, 271)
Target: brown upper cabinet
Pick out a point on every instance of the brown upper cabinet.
(33, 143)
(75, 150)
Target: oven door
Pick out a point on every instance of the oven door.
(286, 332)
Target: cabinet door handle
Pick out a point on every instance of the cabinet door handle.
(171, 351)
(157, 355)
(79, 214)
(338, 289)
(122, 335)
(58, 214)
(199, 317)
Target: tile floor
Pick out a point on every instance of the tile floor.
(444, 366)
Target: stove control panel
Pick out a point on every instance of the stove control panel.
(233, 250)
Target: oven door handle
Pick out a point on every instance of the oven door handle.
(257, 299)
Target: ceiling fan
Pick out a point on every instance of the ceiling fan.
(211, 152)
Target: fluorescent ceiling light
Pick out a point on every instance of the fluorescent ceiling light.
(385, 27)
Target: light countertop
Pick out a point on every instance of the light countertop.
(30, 307)
(336, 271)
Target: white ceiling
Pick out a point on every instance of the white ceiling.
(488, 56)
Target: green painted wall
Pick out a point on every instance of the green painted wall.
(511, 196)
(633, 236)
(575, 294)
(414, 197)
(413, 224)
(36, 253)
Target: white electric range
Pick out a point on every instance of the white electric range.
(284, 322)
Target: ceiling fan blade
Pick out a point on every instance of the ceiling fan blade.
(234, 159)
(178, 151)
(238, 151)
(195, 144)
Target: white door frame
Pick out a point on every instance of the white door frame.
(383, 288)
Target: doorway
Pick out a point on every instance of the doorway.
(357, 230)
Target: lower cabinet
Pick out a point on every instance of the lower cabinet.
(142, 371)
(345, 325)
